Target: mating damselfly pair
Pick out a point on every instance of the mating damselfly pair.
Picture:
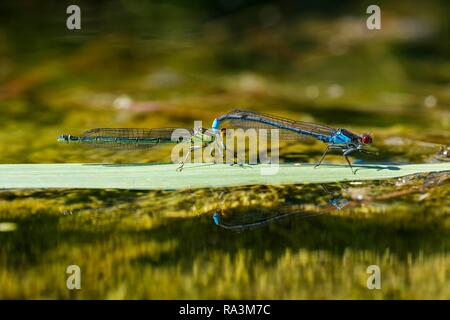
(289, 130)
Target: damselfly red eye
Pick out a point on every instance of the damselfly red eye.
(366, 139)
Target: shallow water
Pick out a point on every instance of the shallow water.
(168, 65)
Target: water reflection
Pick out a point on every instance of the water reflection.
(282, 213)
(315, 201)
(118, 233)
(239, 219)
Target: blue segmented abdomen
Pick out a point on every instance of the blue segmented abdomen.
(275, 124)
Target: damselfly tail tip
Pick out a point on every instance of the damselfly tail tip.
(66, 138)
(63, 138)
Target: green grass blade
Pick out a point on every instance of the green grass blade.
(164, 176)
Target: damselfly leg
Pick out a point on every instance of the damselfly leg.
(346, 152)
(188, 154)
(350, 165)
(222, 149)
(323, 156)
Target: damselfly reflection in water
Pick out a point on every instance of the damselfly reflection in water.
(244, 218)
(312, 201)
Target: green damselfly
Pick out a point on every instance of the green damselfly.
(136, 138)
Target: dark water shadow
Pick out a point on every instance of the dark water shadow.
(198, 237)
(37, 236)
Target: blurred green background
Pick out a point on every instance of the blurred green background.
(168, 63)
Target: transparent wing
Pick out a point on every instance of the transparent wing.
(132, 138)
(288, 129)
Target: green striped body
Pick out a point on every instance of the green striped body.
(121, 140)
(129, 138)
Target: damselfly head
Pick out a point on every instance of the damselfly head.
(63, 138)
(366, 138)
